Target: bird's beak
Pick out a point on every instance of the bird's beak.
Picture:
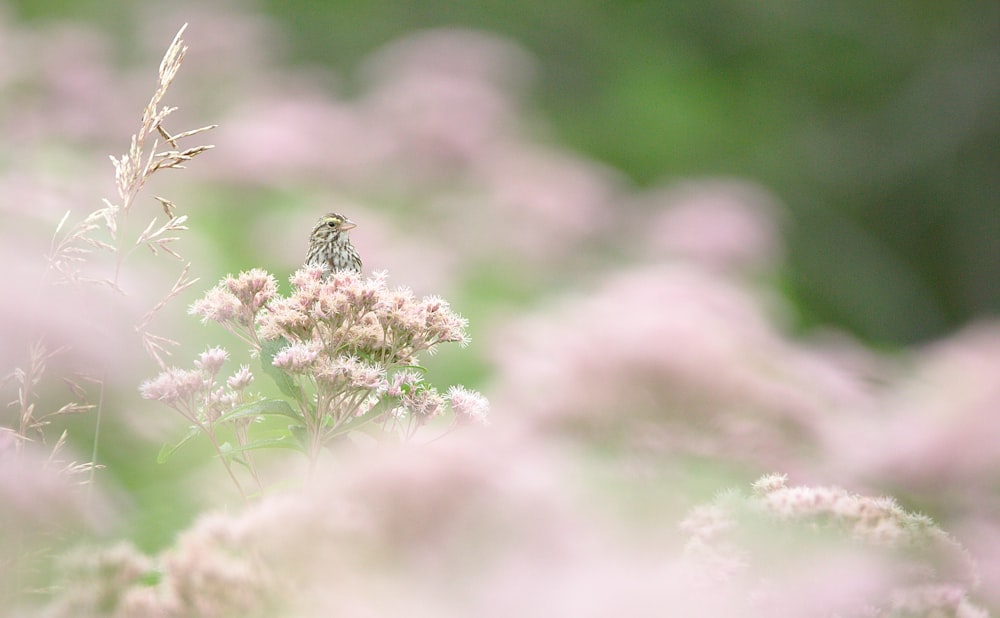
(347, 224)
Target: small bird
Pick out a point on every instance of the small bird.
(330, 246)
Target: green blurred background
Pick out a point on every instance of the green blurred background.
(878, 124)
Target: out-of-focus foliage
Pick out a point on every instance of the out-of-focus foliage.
(878, 124)
(637, 206)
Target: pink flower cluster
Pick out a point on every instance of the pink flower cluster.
(676, 359)
(351, 339)
(875, 558)
(344, 314)
(196, 393)
(439, 530)
(347, 346)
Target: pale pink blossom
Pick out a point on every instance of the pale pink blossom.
(174, 385)
(348, 373)
(211, 360)
(241, 379)
(307, 278)
(365, 375)
(349, 312)
(237, 300)
(441, 323)
(253, 288)
(285, 317)
(468, 406)
(297, 357)
(218, 305)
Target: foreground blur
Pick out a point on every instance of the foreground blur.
(651, 370)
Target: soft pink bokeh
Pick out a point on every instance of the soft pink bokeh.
(674, 358)
(493, 524)
(680, 350)
(726, 224)
(933, 437)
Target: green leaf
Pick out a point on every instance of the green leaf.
(300, 435)
(415, 368)
(278, 438)
(168, 449)
(262, 407)
(286, 384)
(285, 441)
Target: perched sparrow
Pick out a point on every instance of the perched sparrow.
(329, 245)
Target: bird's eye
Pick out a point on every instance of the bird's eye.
(331, 223)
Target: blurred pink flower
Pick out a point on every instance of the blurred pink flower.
(232, 50)
(84, 318)
(492, 524)
(932, 438)
(980, 533)
(673, 358)
(445, 96)
(794, 551)
(301, 135)
(731, 225)
(530, 204)
(56, 64)
(46, 498)
(945, 405)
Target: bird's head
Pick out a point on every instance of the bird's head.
(332, 224)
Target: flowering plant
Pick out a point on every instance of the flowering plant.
(342, 349)
(786, 550)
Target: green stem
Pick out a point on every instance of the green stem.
(97, 435)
